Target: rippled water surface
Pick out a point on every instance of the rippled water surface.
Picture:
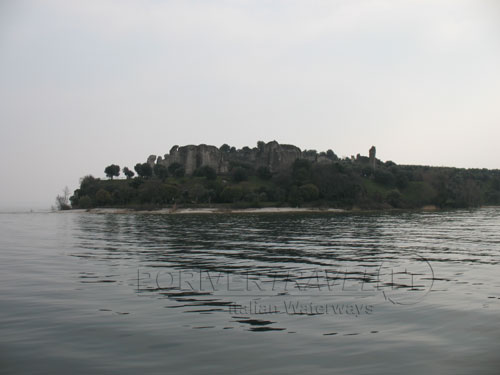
(391, 293)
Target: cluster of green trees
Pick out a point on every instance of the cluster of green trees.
(339, 183)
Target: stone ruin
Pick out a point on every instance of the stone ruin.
(277, 157)
(373, 159)
(272, 155)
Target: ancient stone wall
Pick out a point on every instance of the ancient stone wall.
(192, 157)
(272, 155)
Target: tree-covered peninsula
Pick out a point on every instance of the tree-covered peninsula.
(274, 175)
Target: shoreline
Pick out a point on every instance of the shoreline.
(264, 210)
(184, 211)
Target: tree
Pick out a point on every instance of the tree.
(225, 148)
(160, 171)
(85, 202)
(89, 185)
(112, 170)
(128, 173)
(62, 201)
(337, 183)
(331, 155)
(176, 169)
(143, 170)
(309, 192)
(138, 169)
(260, 145)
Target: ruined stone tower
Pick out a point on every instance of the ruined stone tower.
(373, 159)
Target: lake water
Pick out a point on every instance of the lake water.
(349, 293)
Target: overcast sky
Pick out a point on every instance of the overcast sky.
(84, 84)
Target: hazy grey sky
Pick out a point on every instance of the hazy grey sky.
(87, 83)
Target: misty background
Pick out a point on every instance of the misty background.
(89, 83)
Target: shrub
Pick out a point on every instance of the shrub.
(62, 201)
(231, 194)
(197, 193)
(85, 202)
(208, 172)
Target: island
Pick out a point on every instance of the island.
(271, 176)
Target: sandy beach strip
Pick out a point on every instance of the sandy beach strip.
(184, 211)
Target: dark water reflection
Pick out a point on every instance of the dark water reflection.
(269, 293)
